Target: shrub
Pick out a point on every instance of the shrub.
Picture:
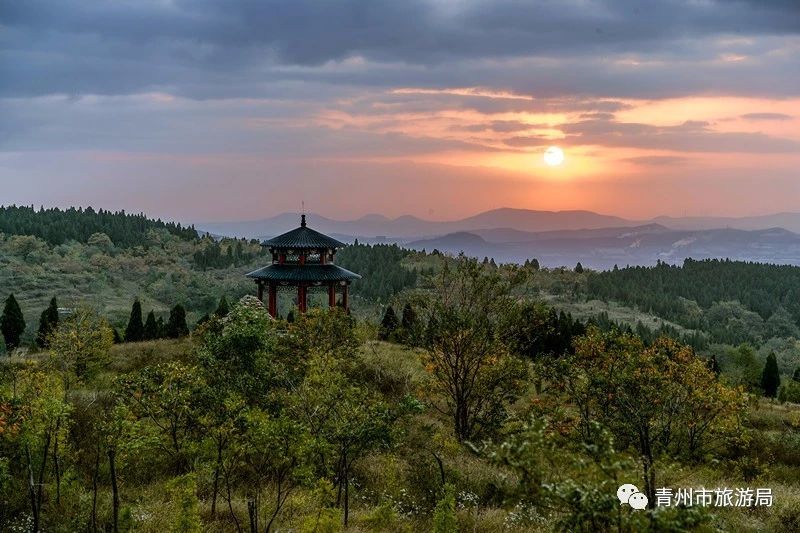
(444, 516)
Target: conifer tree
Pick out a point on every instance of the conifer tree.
(176, 325)
(796, 375)
(48, 322)
(388, 324)
(771, 377)
(223, 308)
(714, 365)
(579, 268)
(161, 328)
(409, 319)
(12, 323)
(135, 330)
(150, 327)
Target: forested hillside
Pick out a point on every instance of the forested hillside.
(381, 268)
(56, 226)
(735, 301)
(477, 410)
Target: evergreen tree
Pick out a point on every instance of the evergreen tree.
(409, 319)
(48, 322)
(534, 264)
(12, 323)
(796, 375)
(117, 336)
(150, 327)
(714, 365)
(579, 268)
(222, 309)
(3, 350)
(161, 328)
(176, 325)
(771, 377)
(388, 324)
(135, 330)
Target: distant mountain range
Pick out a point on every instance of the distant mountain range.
(559, 238)
(604, 248)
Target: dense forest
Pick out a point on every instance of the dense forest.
(735, 301)
(381, 267)
(56, 226)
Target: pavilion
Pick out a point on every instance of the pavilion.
(302, 260)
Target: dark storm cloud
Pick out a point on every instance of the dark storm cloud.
(222, 48)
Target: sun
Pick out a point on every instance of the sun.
(553, 156)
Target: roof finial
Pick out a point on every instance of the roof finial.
(303, 215)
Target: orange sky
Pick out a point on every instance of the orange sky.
(436, 109)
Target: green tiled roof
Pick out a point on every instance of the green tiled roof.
(308, 273)
(303, 238)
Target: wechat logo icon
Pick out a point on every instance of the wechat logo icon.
(629, 494)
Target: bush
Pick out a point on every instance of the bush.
(445, 519)
(186, 517)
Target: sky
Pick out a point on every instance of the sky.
(216, 110)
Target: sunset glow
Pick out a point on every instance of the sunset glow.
(709, 124)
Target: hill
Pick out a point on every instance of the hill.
(56, 226)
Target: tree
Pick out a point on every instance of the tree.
(796, 375)
(346, 420)
(470, 365)
(771, 377)
(12, 323)
(48, 321)
(222, 308)
(169, 398)
(150, 331)
(176, 325)
(81, 344)
(410, 327)
(409, 319)
(135, 330)
(40, 409)
(656, 399)
(579, 268)
(388, 324)
(713, 365)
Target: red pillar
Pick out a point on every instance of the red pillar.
(301, 297)
(345, 304)
(273, 300)
(332, 295)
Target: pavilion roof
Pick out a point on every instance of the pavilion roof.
(303, 238)
(306, 273)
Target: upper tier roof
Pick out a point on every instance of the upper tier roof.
(303, 237)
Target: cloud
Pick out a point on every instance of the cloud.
(657, 160)
(691, 136)
(243, 48)
(766, 116)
